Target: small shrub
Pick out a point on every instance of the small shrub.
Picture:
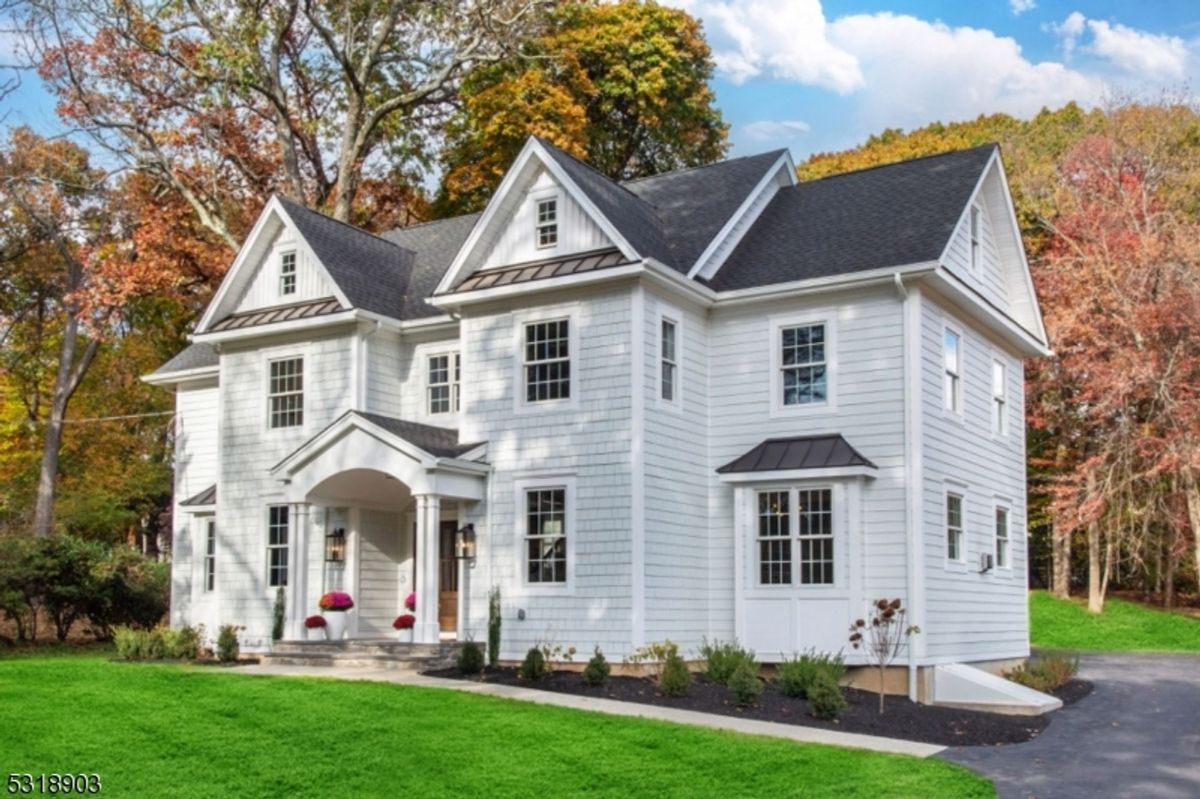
(156, 644)
(744, 685)
(470, 658)
(797, 674)
(128, 642)
(227, 643)
(674, 679)
(825, 697)
(722, 658)
(181, 644)
(277, 615)
(654, 656)
(596, 672)
(493, 650)
(533, 667)
(1047, 673)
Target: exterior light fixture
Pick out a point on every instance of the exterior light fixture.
(335, 546)
(464, 543)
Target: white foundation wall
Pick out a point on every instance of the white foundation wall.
(585, 445)
(249, 449)
(971, 615)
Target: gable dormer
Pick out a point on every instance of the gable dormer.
(543, 221)
(286, 273)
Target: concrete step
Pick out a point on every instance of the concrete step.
(963, 686)
(354, 660)
(366, 646)
(367, 653)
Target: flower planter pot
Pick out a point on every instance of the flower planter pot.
(335, 624)
(405, 636)
(314, 633)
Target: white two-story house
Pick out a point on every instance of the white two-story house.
(712, 403)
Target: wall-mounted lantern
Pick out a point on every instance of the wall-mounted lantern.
(464, 543)
(335, 546)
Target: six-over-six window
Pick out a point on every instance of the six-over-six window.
(546, 535)
(286, 393)
(795, 537)
(547, 361)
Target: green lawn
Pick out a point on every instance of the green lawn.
(165, 730)
(1122, 627)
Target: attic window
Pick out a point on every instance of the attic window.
(287, 273)
(974, 237)
(547, 222)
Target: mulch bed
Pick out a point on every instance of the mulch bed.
(901, 719)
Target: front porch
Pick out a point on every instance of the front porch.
(386, 654)
(375, 507)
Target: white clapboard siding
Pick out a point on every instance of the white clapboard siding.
(196, 415)
(969, 615)
(263, 289)
(588, 440)
(516, 240)
(379, 555)
(990, 278)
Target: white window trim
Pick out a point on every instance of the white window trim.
(537, 198)
(974, 237)
(207, 523)
(839, 497)
(282, 251)
(284, 354)
(814, 316)
(288, 547)
(530, 482)
(959, 490)
(668, 313)
(1002, 504)
(422, 353)
(548, 314)
(949, 325)
(1006, 419)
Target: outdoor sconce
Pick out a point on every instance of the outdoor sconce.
(464, 543)
(335, 546)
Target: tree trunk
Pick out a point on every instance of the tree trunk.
(1095, 590)
(1172, 566)
(1060, 553)
(1192, 493)
(66, 381)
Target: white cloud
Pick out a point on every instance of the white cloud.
(1019, 7)
(774, 130)
(784, 39)
(1148, 55)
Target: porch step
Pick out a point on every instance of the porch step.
(365, 653)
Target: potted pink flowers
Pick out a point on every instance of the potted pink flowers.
(404, 625)
(314, 628)
(410, 601)
(334, 606)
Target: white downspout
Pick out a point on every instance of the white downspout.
(911, 325)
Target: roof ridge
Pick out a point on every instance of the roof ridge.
(288, 201)
(988, 145)
(698, 167)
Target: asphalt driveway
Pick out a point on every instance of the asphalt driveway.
(1137, 736)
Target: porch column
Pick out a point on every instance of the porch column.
(429, 516)
(298, 577)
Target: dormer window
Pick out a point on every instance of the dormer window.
(547, 222)
(974, 237)
(287, 273)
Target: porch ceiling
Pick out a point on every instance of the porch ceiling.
(363, 487)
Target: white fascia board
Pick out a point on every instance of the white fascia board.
(182, 376)
(793, 475)
(663, 276)
(199, 510)
(532, 149)
(703, 267)
(474, 455)
(995, 320)
(277, 328)
(535, 286)
(462, 466)
(822, 285)
(409, 325)
(349, 421)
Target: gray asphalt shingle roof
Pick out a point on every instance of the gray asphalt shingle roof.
(206, 497)
(434, 244)
(438, 441)
(885, 216)
(798, 452)
(195, 356)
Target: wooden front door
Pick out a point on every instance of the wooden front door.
(447, 579)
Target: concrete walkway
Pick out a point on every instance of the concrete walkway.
(732, 724)
(1137, 735)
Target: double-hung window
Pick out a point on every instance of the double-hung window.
(546, 535)
(286, 393)
(1002, 538)
(287, 273)
(803, 516)
(547, 361)
(547, 222)
(444, 374)
(804, 365)
(952, 359)
(277, 545)
(669, 390)
(999, 398)
(975, 247)
(210, 555)
(954, 527)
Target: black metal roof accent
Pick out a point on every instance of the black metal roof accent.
(206, 497)
(194, 356)
(540, 270)
(798, 452)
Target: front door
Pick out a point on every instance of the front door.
(447, 579)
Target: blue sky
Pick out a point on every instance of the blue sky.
(818, 75)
